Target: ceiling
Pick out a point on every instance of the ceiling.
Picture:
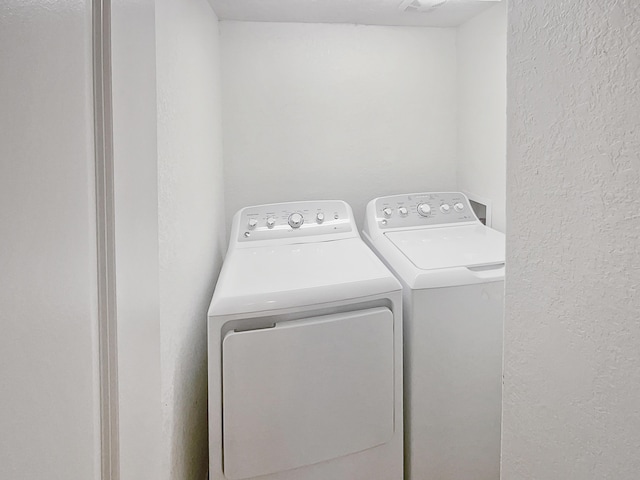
(450, 13)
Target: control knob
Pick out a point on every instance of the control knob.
(295, 220)
(271, 221)
(319, 217)
(253, 223)
(458, 207)
(444, 208)
(387, 212)
(403, 211)
(424, 209)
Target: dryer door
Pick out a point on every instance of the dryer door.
(306, 391)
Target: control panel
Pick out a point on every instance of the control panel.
(420, 209)
(296, 219)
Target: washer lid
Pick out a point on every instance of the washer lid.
(450, 247)
(293, 275)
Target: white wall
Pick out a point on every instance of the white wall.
(572, 334)
(167, 181)
(336, 111)
(136, 237)
(49, 405)
(169, 239)
(191, 222)
(482, 108)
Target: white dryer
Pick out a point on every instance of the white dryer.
(305, 351)
(452, 270)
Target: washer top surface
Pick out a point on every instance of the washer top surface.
(449, 247)
(434, 239)
(283, 266)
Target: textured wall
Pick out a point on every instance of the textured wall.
(49, 411)
(191, 222)
(572, 329)
(336, 111)
(482, 108)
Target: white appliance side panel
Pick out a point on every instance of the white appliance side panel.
(307, 391)
(453, 368)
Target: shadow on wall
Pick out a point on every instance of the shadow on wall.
(189, 449)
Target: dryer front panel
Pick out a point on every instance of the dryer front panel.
(306, 391)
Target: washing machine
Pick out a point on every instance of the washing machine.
(452, 270)
(305, 351)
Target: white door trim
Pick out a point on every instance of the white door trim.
(105, 232)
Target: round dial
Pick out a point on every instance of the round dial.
(319, 217)
(445, 208)
(253, 223)
(387, 212)
(403, 211)
(424, 209)
(295, 220)
(458, 207)
(271, 221)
